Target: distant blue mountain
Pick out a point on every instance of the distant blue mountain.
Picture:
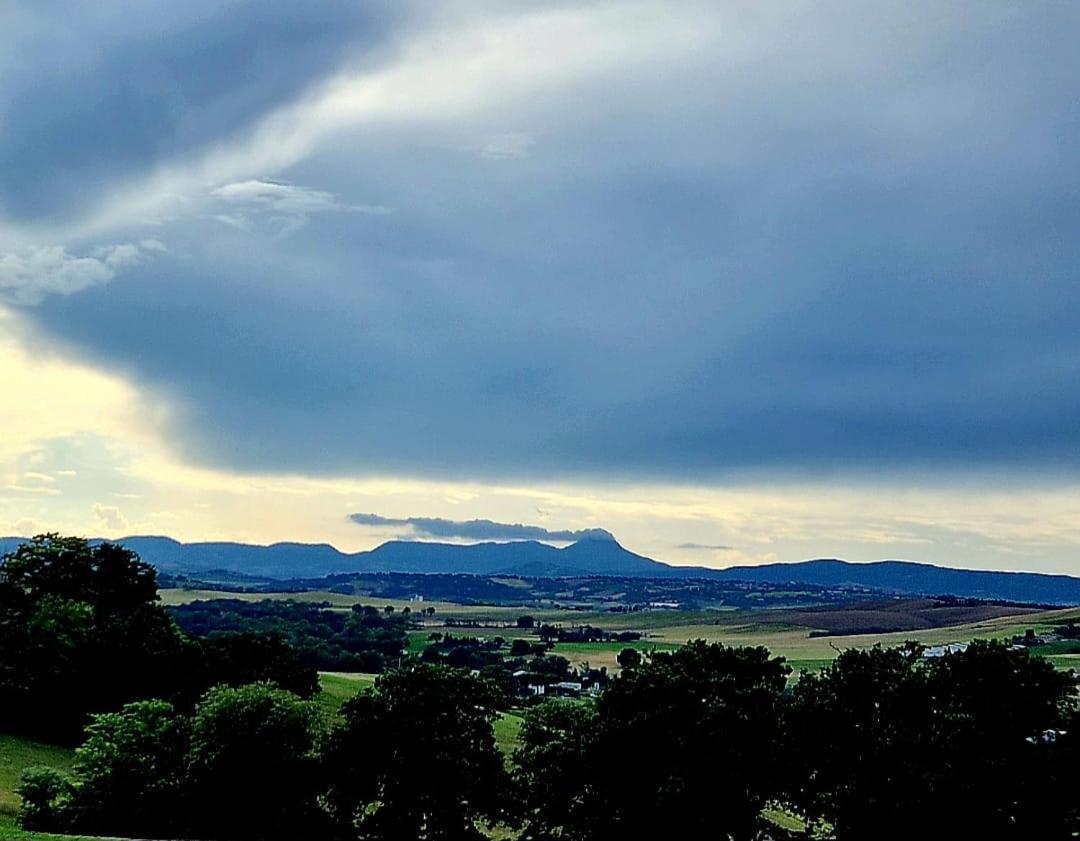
(599, 555)
(602, 556)
(907, 577)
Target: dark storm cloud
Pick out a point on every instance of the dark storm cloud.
(479, 529)
(850, 247)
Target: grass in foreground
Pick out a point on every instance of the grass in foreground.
(16, 755)
(10, 832)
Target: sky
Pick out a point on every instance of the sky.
(736, 282)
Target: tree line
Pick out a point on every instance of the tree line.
(82, 632)
(698, 741)
(361, 640)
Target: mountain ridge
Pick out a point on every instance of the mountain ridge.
(587, 557)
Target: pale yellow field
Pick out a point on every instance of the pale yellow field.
(797, 645)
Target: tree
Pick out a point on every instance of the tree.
(252, 766)
(685, 745)
(629, 658)
(886, 743)
(80, 632)
(552, 771)
(688, 743)
(129, 773)
(416, 758)
(526, 622)
(239, 659)
(520, 648)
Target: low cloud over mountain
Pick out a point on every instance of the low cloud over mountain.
(479, 529)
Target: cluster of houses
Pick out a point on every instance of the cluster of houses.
(935, 651)
(1029, 639)
(530, 685)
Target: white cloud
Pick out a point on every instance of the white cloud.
(28, 277)
(282, 204)
(110, 516)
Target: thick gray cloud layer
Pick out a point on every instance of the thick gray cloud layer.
(812, 241)
(479, 529)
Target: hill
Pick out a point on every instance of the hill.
(907, 577)
(596, 556)
(592, 556)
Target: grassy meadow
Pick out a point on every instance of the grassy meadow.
(18, 753)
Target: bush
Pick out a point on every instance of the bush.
(44, 793)
(629, 658)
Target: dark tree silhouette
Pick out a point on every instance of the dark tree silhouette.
(553, 774)
(685, 745)
(129, 773)
(80, 632)
(252, 765)
(886, 743)
(416, 758)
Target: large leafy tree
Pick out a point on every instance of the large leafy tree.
(552, 771)
(688, 743)
(887, 744)
(416, 758)
(685, 744)
(252, 765)
(80, 632)
(130, 773)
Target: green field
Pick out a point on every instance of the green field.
(338, 687)
(176, 596)
(16, 755)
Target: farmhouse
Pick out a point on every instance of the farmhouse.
(948, 648)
